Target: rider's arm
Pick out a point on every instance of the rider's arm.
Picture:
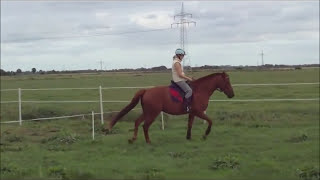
(177, 66)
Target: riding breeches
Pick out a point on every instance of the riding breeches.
(185, 87)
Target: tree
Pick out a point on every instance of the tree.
(19, 71)
(34, 70)
(159, 68)
(3, 72)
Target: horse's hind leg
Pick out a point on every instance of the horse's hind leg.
(136, 126)
(148, 120)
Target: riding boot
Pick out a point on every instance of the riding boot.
(187, 104)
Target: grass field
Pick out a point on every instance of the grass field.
(249, 140)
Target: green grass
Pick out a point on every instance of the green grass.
(249, 140)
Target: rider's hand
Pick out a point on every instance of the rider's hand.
(192, 78)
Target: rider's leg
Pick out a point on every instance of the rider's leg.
(188, 93)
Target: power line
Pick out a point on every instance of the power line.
(92, 35)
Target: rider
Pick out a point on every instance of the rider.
(180, 78)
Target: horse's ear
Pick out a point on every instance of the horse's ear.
(223, 74)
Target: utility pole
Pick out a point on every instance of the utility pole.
(100, 64)
(262, 63)
(182, 23)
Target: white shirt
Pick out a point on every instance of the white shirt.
(175, 76)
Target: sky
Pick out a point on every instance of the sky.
(70, 35)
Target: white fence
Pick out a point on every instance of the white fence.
(101, 101)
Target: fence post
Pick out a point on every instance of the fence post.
(19, 97)
(101, 104)
(162, 120)
(92, 125)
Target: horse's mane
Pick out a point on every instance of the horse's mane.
(205, 78)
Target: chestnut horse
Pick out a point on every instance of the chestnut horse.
(157, 99)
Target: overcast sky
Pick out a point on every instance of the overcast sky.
(77, 35)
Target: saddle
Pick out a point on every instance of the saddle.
(176, 93)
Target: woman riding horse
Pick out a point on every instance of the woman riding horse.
(179, 77)
(157, 99)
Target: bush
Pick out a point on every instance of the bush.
(61, 141)
(12, 170)
(152, 173)
(78, 175)
(13, 138)
(228, 161)
(297, 139)
(309, 173)
(57, 172)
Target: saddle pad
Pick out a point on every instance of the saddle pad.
(176, 92)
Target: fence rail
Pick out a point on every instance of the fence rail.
(62, 117)
(137, 87)
(217, 100)
(101, 101)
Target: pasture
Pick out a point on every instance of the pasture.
(249, 140)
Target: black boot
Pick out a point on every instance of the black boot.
(187, 104)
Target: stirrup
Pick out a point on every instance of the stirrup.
(187, 104)
(188, 109)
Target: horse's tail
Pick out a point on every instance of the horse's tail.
(124, 111)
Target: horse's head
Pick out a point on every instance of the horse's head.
(225, 85)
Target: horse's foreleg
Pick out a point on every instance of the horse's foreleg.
(205, 117)
(190, 122)
(136, 126)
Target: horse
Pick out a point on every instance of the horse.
(157, 99)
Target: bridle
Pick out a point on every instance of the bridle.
(222, 90)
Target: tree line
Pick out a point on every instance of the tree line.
(154, 69)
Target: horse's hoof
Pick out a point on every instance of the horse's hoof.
(130, 141)
(204, 137)
(106, 131)
(188, 138)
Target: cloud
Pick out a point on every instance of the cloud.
(153, 20)
(42, 33)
